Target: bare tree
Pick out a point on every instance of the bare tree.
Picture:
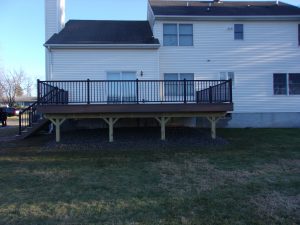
(13, 84)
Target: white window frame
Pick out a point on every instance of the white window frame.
(178, 35)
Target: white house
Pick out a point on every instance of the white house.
(256, 45)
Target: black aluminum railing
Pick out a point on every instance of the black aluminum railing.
(29, 115)
(134, 91)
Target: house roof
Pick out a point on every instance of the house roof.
(92, 32)
(223, 8)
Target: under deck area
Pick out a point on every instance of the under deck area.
(111, 113)
(112, 100)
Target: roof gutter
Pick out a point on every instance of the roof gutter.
(102, 46)
(228, 18)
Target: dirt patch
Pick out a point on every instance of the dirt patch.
(135, 138)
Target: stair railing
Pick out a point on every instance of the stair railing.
(30, 115)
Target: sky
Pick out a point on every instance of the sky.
(22, 31)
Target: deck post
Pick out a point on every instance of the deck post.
(163, 121)
(111, 121)
(213, 121)
(57, 122)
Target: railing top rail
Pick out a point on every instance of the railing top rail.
(28, 108)
(141, 80)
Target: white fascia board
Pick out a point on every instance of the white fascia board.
(228, 18)
(102, 46)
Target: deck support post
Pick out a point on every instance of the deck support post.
(163, 121)
(57, 122)
(213, 121)
(111, 121)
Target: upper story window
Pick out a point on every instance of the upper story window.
(238, 31)
(286, 84)
(178, 34)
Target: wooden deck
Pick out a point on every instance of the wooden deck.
(112, 100)
(135, 108)
(111, 113)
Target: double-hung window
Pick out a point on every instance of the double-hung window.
(286, 84)
(178, 34)
(238, 31)
(176, 83)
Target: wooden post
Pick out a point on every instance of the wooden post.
(213, 121)
(163, 121)
(111, 121)
(57, 122)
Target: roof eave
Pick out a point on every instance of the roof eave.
(228, 18)
(102, 46)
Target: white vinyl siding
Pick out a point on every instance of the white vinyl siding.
(228, 76)
(82, 64)
(270, 47)
(95, 64)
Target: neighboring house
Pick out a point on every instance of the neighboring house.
(25, 101)
(256, 45)
(21, 101)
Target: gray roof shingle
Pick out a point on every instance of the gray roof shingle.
(226, 8)
(104, 32)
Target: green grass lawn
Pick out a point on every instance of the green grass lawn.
(253, 180)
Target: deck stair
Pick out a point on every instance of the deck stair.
(32, 121)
